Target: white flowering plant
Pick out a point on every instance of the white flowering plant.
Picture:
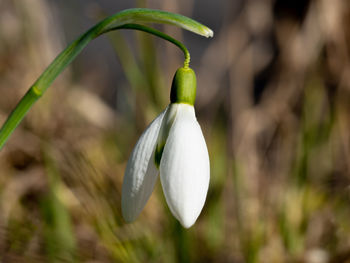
(172, 146)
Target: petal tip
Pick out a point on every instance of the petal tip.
(127, 213)
(187, 223)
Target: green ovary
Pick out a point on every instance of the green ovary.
(183, 88)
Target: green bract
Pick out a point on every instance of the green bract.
(183, 89)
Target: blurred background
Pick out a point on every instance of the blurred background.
(273, 101)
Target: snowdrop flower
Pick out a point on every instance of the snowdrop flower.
(172, 146)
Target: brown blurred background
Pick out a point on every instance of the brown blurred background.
(273, 101)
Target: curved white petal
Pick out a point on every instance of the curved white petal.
(167, 123)
(141, 172)
(184, 167)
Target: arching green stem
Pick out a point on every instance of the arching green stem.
(120, 20)
(161, 35)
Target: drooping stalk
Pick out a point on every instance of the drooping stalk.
(127, 19)
(161, 35)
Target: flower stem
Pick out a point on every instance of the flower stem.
(18, 113)
(124, 19)
(161, 35)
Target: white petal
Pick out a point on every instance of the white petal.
(184, 167)
(167, 123)
(141, 172)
